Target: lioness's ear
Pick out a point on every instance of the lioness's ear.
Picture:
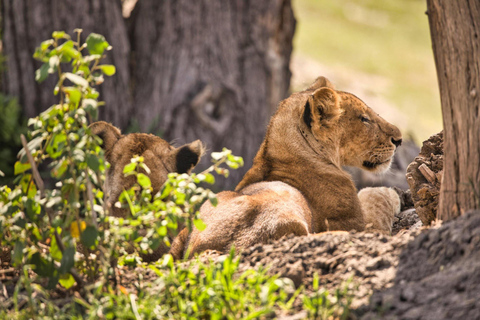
(188, 156)
(322, 109)
(107, 132)
(321, 82)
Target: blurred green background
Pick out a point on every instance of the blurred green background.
(379, 50)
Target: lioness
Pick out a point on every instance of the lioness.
(296, 184)
(159, 156)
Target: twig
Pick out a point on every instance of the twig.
(427, 173)
(7, 270)
(41, 187)
(36, 174)
(90, 199)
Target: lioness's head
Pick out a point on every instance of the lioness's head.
(365, 140)
(159, 156)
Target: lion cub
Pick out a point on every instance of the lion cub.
(159, 156)
(297, 184)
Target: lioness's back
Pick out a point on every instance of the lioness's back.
(261, 212)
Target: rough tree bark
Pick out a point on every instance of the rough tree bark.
(25, 23)
(455, 31)
(212, 70)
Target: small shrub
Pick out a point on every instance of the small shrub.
(65, 245)
(64, 235)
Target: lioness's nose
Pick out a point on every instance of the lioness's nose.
(397, 143)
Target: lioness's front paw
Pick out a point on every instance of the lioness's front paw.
(379, 206)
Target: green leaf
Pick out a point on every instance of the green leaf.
(17, 254)
(28, 188)
(55, 251)
(209, 178)
(217, 155)
(76, 79)
(43, 267)
(32, 209)
(167, 189)
(93, 94)
(233, 159)
(143, 181)
(108, 69)
(90, 106)
(58, 34)
(42, 73)
(68, 260)
(21, 167)
(46, 44)
(53, 63)
(52, 280)
(93, 162)
(89, 236)
(213, 199)
(179, 198)
(66, 281)
(130, 261)
(96, 43)
(199, 224)
(232, 165)
(74, 95)
(162, 231)
(55, 147)
(129, 168)
(59, 169)
(68, 51)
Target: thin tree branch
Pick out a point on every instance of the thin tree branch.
(41, 187)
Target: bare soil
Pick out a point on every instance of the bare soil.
(438, 275)
(428, 273)
(368, 260)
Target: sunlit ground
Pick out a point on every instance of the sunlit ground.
(378, 50)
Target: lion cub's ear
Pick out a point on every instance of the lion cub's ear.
(107, 132)
(322, 109)
(321, 82)
(188, 156)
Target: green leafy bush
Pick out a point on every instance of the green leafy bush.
(65, 234)
(67, 248)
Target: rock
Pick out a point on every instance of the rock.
(424, 176)
(406, 220)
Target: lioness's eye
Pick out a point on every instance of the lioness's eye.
(364, 119)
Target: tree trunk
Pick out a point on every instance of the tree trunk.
(25, 23)
(212, 70)
(455, 31)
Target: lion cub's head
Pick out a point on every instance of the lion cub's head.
(159, 156)
(365, 140)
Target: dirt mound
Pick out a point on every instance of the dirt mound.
(370, 260)
(424, 176)
(438, 275)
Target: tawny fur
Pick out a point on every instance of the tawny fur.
(159, 156)
(296, 184)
